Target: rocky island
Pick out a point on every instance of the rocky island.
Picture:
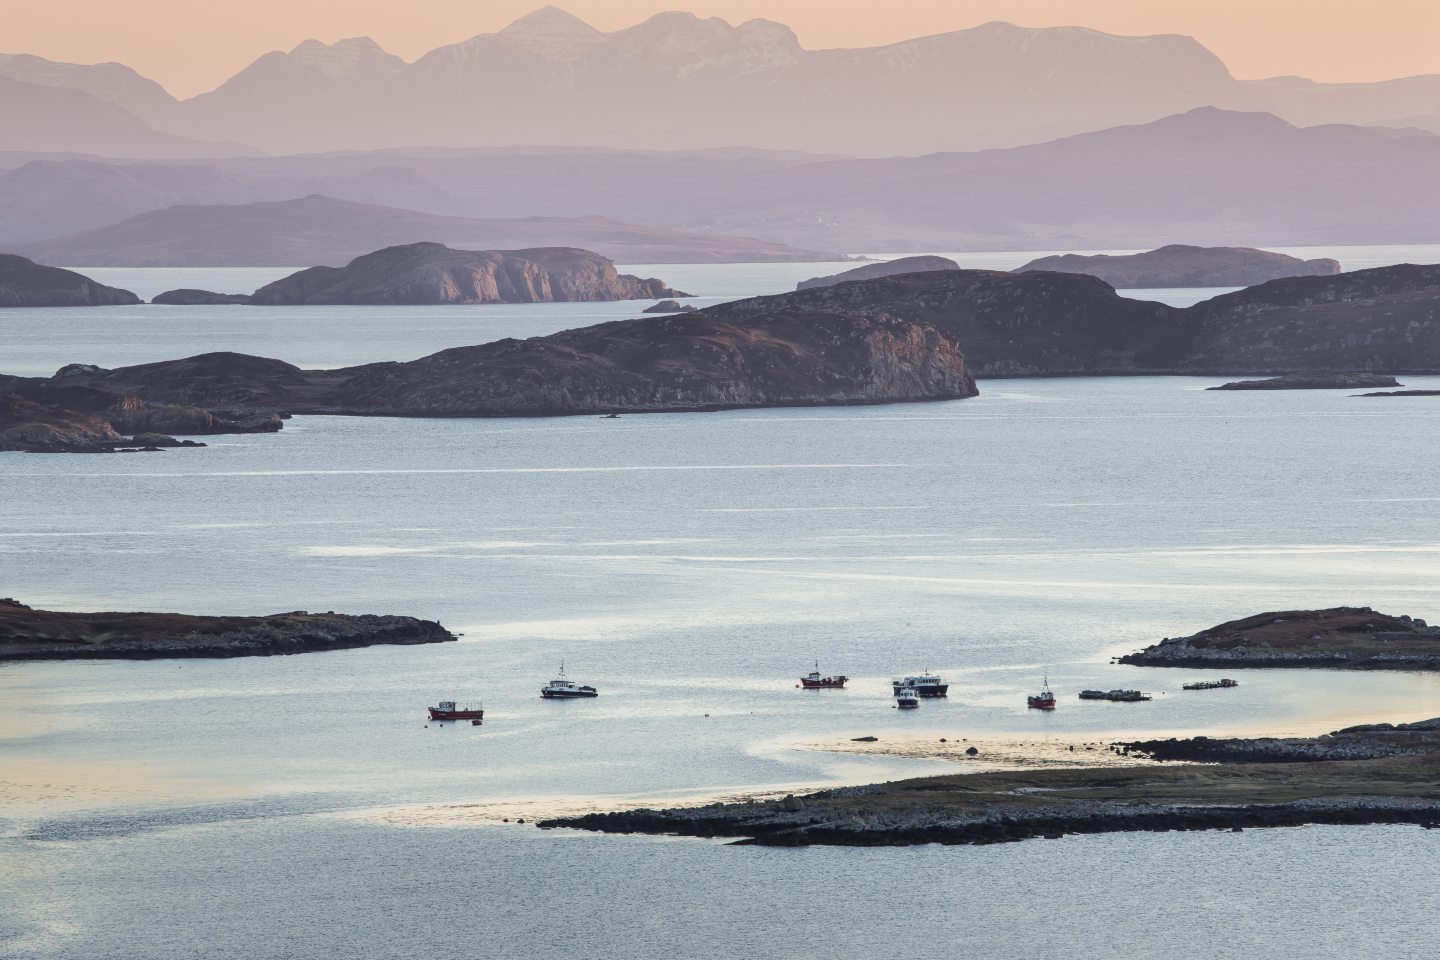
(432, 273)
(1354, 638)
(885, 268)
(1180, 265)
(1320, 381)
(25, 283)
(663, 363)
(1359, 775)
(28, 634)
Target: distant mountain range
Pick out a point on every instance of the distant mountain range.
(678, 81)
(1208, 177)
(323, 230)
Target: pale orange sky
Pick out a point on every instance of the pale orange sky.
(192, 45)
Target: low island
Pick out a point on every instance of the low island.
(1352, 638)
(1316, 381)
(1373, 774)
(29, 634)
(1183, 265)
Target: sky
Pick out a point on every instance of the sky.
(191, 46)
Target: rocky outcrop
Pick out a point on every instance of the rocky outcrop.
(204, 298)
(1356, 638)
(24, 283)
(1179, 265)
(886, 268)
(1322, 381)
(27, 634)
(669, 306)
(67, 417)
(1371, 741)
(431, 273)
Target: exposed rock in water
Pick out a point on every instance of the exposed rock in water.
(669, 306)
(1366, 742)
(1340, 637)
(187, 297)
(887, 268)
(24, 283)
(1179, 265)
(1404, 393)
(27, 634)
(431, 273)
(1323, 381)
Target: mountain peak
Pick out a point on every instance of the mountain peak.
(549, 22)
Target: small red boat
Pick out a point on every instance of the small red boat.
(1045, 700)
(813, 680)
(449, 710)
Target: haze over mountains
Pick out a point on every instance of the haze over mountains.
(1208, 177)
(679, 81)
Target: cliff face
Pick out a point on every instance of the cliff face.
(27, 634)
(1179, 265)
(431, 273)
(24, 283)
(672, 363)
(888, 268)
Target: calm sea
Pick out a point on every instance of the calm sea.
(692, 566)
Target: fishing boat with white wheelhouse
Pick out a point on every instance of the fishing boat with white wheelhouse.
(925, 684)
(450, 710)
(907, 698)
(814, 681)
(562, 688)
(1044, 700)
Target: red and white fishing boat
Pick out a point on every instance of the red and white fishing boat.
(1044, 700)
(813, 680)
(450, 710)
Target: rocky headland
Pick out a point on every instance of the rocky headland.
(432, 273)
(1181, 265)
(61, 416)
(1321, 381)
(1360, 775)
(25, 283)
(1354, 638)
(28, 634)
(885, 268)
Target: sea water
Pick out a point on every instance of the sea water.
(692, 566)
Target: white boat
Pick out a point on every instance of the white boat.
(907, 698)
(562, 688)
(925, 684)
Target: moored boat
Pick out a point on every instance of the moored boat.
(562, 688)
(907, 698)
(1044, 700)
(450, 710)
(814, 681)
(924, 684)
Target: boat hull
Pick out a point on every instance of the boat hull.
(1041, 703)
(568, 694)
(932, 690)
(829, 683)
(437, 714)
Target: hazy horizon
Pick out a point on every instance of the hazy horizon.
(1330, 42)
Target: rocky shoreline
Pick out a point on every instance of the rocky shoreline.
(29, 634)
(1349, 638)
(1327, 786)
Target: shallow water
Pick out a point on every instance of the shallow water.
(692, 566)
